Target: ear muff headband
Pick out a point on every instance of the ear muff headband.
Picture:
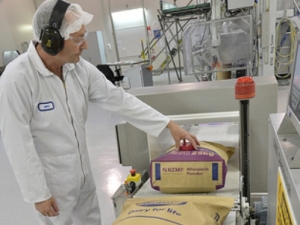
(51, 40)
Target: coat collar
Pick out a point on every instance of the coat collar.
(38, 63)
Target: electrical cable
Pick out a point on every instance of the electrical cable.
(279, 43)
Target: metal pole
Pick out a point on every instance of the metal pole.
(113, 31)
(36, 6)
(245, 90)
(179, 41)
(146, 32)
(245, 156)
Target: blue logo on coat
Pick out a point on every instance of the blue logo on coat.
(46, 106)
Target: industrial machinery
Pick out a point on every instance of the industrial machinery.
(210, 111)
(222, 39)
(203, 112)
(284, 156)
(228, 56)
(224, 130)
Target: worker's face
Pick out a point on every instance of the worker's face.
(74, 46)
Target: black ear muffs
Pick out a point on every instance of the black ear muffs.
(51, 40)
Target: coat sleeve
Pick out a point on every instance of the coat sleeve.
(15, 114)
(125, 105)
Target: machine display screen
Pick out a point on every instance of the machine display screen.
(294, 98)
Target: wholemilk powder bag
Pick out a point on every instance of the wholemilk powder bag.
(191, 210)
(201, 170)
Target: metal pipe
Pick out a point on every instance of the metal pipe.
(296, 5)
(178, 49)
(166, 29)
(244, 109)
(168, 49)
(146, 32)
(156, 40)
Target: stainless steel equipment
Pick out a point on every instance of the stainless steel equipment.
(284, 156)
(208, 54)
(283, 177)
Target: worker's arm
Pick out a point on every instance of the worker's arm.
(131, 109)
(179, 133)
(15, 116)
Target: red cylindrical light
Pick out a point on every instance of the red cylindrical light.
(244, 88)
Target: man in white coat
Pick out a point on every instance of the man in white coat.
(44, 97)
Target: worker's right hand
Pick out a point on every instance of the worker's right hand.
(179, 134)
(47, 207)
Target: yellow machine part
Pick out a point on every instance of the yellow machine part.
(284, 215)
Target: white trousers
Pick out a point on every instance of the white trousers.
(78, 208)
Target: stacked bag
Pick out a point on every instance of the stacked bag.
(186, 170)
(197, 170)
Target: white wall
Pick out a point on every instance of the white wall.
(15, 24)
(16, 17)
(101, 21)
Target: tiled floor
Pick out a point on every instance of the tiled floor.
(108, 173)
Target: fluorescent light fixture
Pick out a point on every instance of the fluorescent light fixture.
(128, 18)
(26, 28)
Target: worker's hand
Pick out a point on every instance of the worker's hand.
(47, 208)
(179, 133)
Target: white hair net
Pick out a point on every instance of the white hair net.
(74, 18)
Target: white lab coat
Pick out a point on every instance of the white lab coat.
(42, 122)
